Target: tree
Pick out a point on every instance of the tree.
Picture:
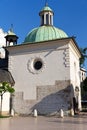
(5, 87)
(83, 57)
(84, 89)
(85, 84)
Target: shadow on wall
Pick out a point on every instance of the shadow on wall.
(52, 103)
(50, 99)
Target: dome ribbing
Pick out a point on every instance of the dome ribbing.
(46, 31)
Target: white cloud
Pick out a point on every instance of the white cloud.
(2, 38)
(2, 53)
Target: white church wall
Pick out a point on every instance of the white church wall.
(74, 66)
(49, 88)
(75, 73)
(53, 57)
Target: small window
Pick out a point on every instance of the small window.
(38, 65)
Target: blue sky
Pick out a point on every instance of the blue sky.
(69, 15)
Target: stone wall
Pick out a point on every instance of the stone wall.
(50, 99)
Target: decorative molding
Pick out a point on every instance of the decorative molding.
(30, 64)
(66, 58)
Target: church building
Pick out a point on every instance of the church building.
(45, 68)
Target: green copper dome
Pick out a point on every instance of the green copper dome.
(45, 33)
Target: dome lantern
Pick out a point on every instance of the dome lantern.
(46, 15)
(11, 38)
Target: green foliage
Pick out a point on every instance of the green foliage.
(5, 87)
(1, 116)
(83, 57)
(84, 89)
(85, 84)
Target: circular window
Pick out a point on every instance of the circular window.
(38, 65)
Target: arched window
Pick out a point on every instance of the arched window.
(42, 20)
(47, 19)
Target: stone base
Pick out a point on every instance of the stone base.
(50, 99)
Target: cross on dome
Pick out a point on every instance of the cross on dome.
(46, 2)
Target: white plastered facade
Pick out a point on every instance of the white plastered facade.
(60, 62)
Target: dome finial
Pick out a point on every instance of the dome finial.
(11, 29)
(46, 2)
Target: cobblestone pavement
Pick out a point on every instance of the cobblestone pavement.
(44, 123)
